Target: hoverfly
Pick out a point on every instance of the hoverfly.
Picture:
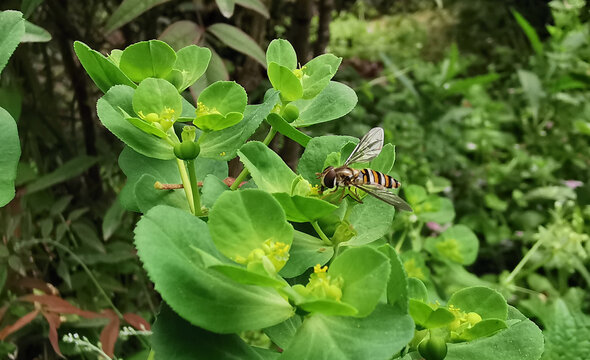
(370, 181)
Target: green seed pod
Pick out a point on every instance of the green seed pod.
(290, 113)
(187, 150)
(434, 348)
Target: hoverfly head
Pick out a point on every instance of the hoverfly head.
(328, 177)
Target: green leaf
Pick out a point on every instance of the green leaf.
(385, 160)
(371, 220)
(415, 194)
(316, 152)
(365, 272)
(147, 196)
(226, 7)
(317, 74)
(156, 96)
(255, 5)
(458, 243)
(241, 221)
(521, 341)
(224, 144)
(529, 31)
(436, 209)
(532, 88)
(181, 34)
(488, 303)
(417, 289)
(220, 106)
(68, 170)
(145, 59)
(213, 187)
(34, 33)
(285, 81)
(166, 238)
(10, 150)
(12, 29)
(103, 72)
(191, 62)
(397, 286)
(174, 338)
(129, 10)
(566, 333)
(495, 203)
(328, 307)
(335, 101)
(483, 328)
(379, 336)
(269, 171)
(306, 251)
(282, 126)
(281, 334)
(303, 209)
(112, 220)
(462, 86)
(244, 276)
(281, 52)
(216, 71)
(238, 40)
(109, 112)
(560, 193)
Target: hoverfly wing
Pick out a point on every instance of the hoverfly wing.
(385, 195)
(368, 147)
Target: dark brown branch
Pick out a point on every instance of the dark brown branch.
(325, 17)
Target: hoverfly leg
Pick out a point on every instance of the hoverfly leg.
(354, 196)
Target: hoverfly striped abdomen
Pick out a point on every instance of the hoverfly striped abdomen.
(372, 177)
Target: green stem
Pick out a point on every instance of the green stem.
(186, 184)
(321, 233)
(522, 262)
(88, 272)
(195, 187)
(152, 355)
(400, 242)
(583, 271)
(244, 174)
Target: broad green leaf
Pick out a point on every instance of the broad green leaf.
(282, 126)
(521, 341)
(10, 150)
(488, 303)
(244, 276)
(328, 307)
(238, 40)
(12, 29)
(420, 311)
(269, 171)
(428, 317)
(241, 221)
(415, 265)
(145, 59)
(181, 34)
(316, 151)
(174, 338)
(566, 333)
(532, 88)
(68, 170)
(281, 334)
(166, 238)
(129, 10)
(317, 74)
(458, 243)
(213, 187)
(371, 220)
(306, 252)
(377, 337)
(495, 203)
(109, 112)
(220, 106)
(415, 194)
(483, 328)
(397, 286)
(34, 33)
(303, 209)
(192, 62)
(529, 31)
(281, 52)
(103, 72)
(436, 209)
(285, 81)
(335, 101)
(226, 7)
(255, 5)
(147, 196)
(224, 144)
(417, 289)
(365, 272)
(147, 127)
(217, 71)
(156, 96)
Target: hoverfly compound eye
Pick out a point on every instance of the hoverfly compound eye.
(329, 179)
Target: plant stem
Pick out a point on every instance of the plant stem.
(400, 242)
(75, 257)
(522, 262)
(244, 174)
(186, 183)
(321, 233)
(195, 188)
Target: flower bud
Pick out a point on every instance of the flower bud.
(434, 348)
(187, 150)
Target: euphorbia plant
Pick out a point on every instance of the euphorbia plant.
(273, 255)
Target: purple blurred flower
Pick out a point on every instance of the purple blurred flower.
(572, 184)
(436, 227)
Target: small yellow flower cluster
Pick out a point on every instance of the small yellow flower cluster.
(203, 109)
(276, 252)
(299, 73)
(322, 285)
(462, 321)
(162, 121)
